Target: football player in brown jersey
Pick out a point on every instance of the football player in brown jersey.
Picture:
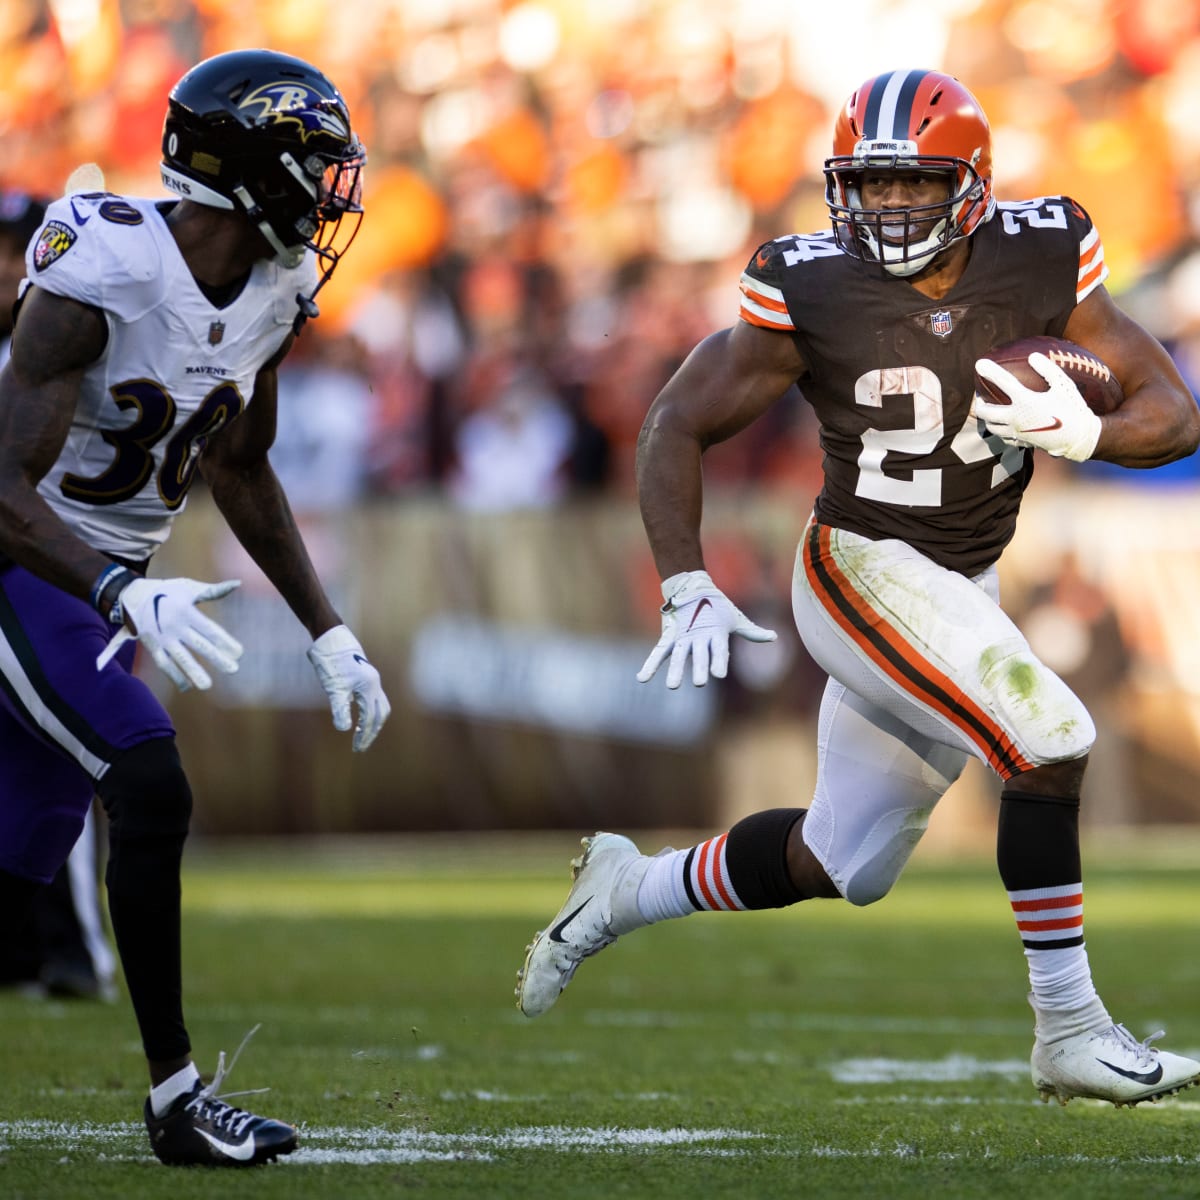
(882, 321)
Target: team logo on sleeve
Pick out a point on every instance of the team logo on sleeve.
(53, 242)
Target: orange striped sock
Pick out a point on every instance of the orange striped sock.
(1050, 921)
(1049, 918)
(706, 877)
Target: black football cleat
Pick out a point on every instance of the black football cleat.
(203, 1129)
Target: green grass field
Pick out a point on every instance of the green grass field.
(818, 1052)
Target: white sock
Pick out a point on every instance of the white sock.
(163, 1095)
(1064, 996)
(661, 894)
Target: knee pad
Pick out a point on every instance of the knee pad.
(878, 783)
(883, 854)
(146, 793)
(1046, 719)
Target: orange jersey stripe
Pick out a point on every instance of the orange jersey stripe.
(755, 319)
(965, 715)
(1090, 277)
(766, 301)
(1092, 268)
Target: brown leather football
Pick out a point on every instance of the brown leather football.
(1097, 384)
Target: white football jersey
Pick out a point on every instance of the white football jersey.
(176, 369)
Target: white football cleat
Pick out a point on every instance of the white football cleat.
(1110, 1064)
(601, 905)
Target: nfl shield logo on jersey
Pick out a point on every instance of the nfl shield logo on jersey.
(216, 331)
(941, 323)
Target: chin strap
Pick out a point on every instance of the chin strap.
(308, 310)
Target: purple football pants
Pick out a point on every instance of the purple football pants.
(61, 721)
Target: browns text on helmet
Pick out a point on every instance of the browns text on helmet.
(909, 121)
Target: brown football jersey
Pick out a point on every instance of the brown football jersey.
(891, 372)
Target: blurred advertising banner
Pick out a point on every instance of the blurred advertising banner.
(508, 644)
(549, 680)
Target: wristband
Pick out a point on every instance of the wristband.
(106, 591)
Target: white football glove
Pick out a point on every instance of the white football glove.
(1057, 421)
(697, 619)
(341, 666)
(162, 615)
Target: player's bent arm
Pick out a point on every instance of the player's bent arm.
(54, 341)
(252, 501)
(1159, 421)
(728, 381)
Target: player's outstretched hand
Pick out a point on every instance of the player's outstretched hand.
(1056, 420)
(697, 620)
(346, 675)
(162, 615)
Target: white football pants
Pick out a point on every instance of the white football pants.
(925, 669)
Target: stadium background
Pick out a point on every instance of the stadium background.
(561, 195)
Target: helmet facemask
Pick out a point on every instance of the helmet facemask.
(300, 206)
(904, 240)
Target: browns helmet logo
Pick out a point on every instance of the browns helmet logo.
(293, 102)
(53, 242)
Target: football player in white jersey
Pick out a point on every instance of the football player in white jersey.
(62, 950)
(883, 321)
(145, 349)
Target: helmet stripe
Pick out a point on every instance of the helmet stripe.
(889, 107)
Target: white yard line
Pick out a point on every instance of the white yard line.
(344, 1145)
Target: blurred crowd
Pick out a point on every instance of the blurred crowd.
(561, 195)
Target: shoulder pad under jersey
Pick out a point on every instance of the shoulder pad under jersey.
(288, 283)
(100, 249)
(1063, 218)
(761, 284)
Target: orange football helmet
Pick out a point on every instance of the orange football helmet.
(909, 121)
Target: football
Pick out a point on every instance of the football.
(1096, 383)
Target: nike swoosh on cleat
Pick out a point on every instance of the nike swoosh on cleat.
(1149, 1077)
(557, 930)
(1048, 429)
(699, 606)
(242, 1151)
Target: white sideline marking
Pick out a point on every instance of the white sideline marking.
(509, 1098)
(954, 1068)
(1030, 1101)
(371, 1146)
(364, 1147)
(814, 1022)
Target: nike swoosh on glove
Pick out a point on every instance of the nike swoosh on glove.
(162, 615)
(698, 620)
(1057, 420)
(346, 675)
